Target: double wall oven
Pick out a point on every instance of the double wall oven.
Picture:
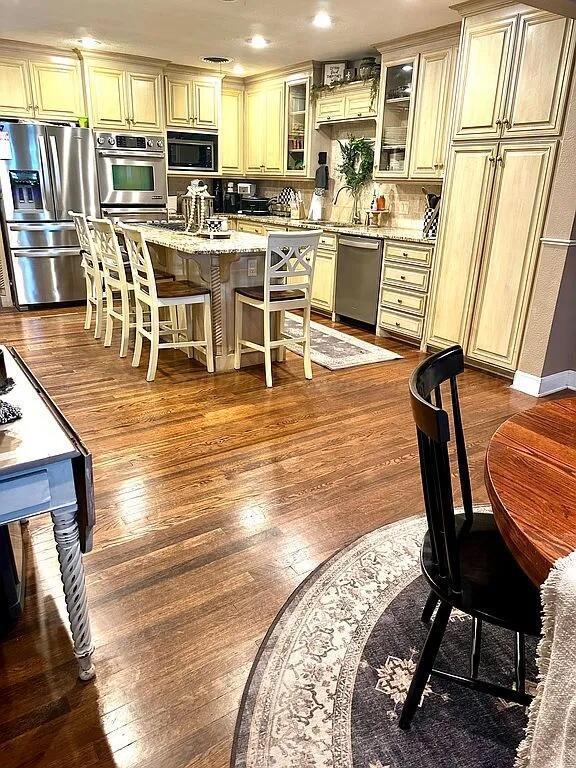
(132, 176)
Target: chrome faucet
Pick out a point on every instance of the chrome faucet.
(337, 195)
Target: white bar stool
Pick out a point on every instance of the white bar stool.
(289, 256)
(92, 273)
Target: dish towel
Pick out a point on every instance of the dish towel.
(550, 740)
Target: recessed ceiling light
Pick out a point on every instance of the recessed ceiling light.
(322, 20)
(257, 41)
(238, 69)
(89, 42)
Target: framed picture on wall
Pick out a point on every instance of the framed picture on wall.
(334, 72)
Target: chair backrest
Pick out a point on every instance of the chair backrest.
(140, 265)
(290, 256)
(86, 240)
(109, 253)
(433, 431)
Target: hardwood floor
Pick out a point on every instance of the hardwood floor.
(215, 498)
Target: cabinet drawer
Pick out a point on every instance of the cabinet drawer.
(359, 105)
(410, 253)
(408, 302)
(248, 226)
(29, 491)
(406, 324)
(328, 242)
(407, 276)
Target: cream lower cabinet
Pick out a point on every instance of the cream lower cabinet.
(325, 273)
(431, 114)
(492, 219)
(232, 131)
(41, 88)
(514, 73)
(264, 148)
(120, 98)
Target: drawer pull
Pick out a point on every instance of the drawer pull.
(397, 324)
(404, 254)
(402, 277)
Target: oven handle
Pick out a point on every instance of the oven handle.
(120, 153)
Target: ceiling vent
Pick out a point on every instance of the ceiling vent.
(217, 59)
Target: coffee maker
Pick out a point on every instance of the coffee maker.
(226, 197)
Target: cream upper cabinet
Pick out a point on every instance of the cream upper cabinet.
(541, 75)
(45, 88)
(178, 104)
(108, 97)
(15, 88)
(396, 114)
(264, 144)
(122, 98)
(464, 214)
(430, 132)
(232, 131)
(58, 89)
(206, 97)
(518, 206)
(485, 65)
(330, 108)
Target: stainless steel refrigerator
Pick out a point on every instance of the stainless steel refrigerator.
(47, 171)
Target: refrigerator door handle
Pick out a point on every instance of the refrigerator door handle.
(46, 175)
(40, 226)
(57, 179)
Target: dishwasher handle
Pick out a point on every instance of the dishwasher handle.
(371, 245)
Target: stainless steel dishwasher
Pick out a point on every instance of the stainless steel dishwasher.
(358, 277)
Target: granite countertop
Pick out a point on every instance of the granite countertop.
(382, 233)
(170, 237)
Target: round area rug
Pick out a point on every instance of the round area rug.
(331, 675)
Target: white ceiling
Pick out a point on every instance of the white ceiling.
(185, 30)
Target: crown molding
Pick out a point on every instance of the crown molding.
(472, 7)
(36, 49)
(438, 34)
(304, 68)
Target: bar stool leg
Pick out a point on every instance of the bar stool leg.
(237, 332)
(267, 349)
(208, 335)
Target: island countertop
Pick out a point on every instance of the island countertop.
(192, 245)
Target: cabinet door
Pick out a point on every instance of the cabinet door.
(145, 102)
(231, 132)
(359, 104)
(274, 157)
(485, 65)
(463, 217)
(395, 118)
(178, 103)
(431, 115)
(15, 91)
(323, 283)
(255, 131)
(206, 103)
(57, 90)
(539, 88)
(108, 97)
(329, 108)
(517, 209)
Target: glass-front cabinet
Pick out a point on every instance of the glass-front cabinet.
(297, 99)
(397, 86)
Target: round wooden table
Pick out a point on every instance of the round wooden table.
(531, 480)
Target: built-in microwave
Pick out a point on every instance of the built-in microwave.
(192, 151)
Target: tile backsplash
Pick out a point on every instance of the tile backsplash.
(404, 200)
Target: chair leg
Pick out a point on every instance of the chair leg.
(174, 322)
(99, 317)
(138, 341)
(429, 607)
(267, 349)
(155, 333)
(306, 334)
(425, 664)
(476, 647)
(520, 661)
(237, 333)
(208, 335)
(109, 320)
(185, 316)
(89, 294)
(281, 354)
(125, 324)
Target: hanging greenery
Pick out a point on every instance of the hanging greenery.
(356, 167)
(373, 82)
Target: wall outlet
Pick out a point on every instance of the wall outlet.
(403, 207)
(252, 267)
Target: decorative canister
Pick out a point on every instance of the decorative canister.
(367, 67)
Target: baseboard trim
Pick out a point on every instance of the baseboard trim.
(538, 386)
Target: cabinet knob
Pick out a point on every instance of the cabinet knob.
(359, 114)
(399, 301)
(397, 324)
(404, 254)
(402, 277)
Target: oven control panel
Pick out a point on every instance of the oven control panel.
(128, 142)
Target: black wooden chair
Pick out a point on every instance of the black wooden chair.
(463, 557)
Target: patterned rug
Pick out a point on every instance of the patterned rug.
(334, 349)
(329, 681)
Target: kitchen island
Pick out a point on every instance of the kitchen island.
(221, 265)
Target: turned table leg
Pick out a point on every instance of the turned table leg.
(72, 571)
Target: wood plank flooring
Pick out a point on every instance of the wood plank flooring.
(215, 498)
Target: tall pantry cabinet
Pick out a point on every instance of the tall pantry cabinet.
(514, 70)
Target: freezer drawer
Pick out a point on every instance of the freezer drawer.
(45, 276)
(58, 234)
